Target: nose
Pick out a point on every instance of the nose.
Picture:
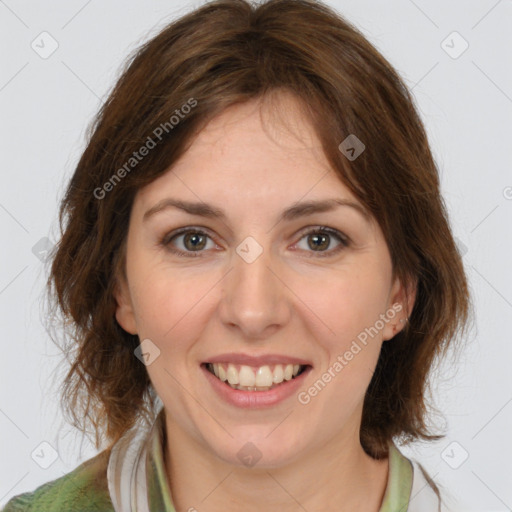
(255, 298)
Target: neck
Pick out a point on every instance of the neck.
(339, 472)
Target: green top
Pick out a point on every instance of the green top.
(86, 487)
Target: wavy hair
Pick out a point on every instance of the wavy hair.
(224, 53)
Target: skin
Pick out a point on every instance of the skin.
(290, 300)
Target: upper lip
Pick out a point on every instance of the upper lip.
(260, 360)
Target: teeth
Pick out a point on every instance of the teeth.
(247, 377)
(254, 379)
(264, 377)
(232, 375)
(220, 371)
(278, 374)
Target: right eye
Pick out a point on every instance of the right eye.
(192, 241)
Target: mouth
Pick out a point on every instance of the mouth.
(255, 378)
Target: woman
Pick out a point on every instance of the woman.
(258, 269)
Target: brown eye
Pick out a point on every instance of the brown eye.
(194, 241)
(187, 242)
(319, 240)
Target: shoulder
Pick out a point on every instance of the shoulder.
(83, 489)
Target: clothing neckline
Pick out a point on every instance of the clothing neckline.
(138, 483)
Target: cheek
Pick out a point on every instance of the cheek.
(167, 305)
(347, 302)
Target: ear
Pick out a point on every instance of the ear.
(401, 303)
(124, 311)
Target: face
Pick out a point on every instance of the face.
(292, 308)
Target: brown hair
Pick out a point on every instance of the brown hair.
(224, 53)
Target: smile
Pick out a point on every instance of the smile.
(249, 378)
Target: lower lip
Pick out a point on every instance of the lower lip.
(255, 399)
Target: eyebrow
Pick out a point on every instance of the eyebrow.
(293, 212)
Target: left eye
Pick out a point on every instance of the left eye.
(320, 238)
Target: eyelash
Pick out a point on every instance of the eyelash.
(167, 239)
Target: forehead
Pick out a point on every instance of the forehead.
(256, 153)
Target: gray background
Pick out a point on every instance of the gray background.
(465, 99)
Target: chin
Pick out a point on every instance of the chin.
(255, 448)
